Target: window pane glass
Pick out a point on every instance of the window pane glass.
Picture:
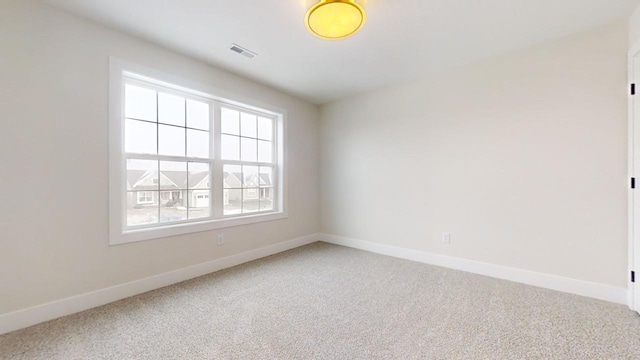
(197, 143)
(171, 109)
(266, 176)
(140, 137)
(173, 211)
(140, 103)
(199, 201)
(265, 128)
(250, 202)
(199, 176)
(197, 115)
(266, 199)
(173, 175)
(142, 207)
(230, 121)
(232, 201)
(248, 125)
(199, 190)
(142, 175)
(172, 198)
(265, 151)
(250, 176)
(249, 150)
(230, 147)
(171, 140)
(232, 176)
(173, 182)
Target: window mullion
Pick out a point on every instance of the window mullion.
(218, 170)
(164, 158)
(158, 151)
(247, 163)
(277, 158)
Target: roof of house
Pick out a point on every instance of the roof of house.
(179, 179)
(265, 179)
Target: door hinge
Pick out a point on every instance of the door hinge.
(633, 276)
(633, 89)
(633, 183)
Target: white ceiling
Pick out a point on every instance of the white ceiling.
(402, 39)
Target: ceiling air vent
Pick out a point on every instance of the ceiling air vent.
(242, 51)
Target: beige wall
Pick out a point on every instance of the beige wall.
(521, 157)
(634, 27)
(54, 152)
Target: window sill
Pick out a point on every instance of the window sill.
(136, 235)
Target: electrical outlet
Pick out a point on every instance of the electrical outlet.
(446, 237)
(220, 239)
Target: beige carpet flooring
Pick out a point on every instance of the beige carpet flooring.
(324, 301)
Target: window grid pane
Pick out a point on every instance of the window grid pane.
(249, 176)
(140, 103)
(266, 199)
(230, 121)
(171, 109)
(232, 201)
(198, 115)
(248, 125)
(248, 149)
(250, 200)
(199, 203)
(230, 147)
(266, 176)
(142, 207)
(232, 176)
(198, 143)
(265, 129)
(172, 140)
(175, 208)
(265, 151)
(140, 137)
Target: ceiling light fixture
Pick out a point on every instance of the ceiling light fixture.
(335, 19)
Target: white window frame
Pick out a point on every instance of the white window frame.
(119, 233)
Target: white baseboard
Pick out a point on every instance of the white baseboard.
(55, 309)
(553, 282)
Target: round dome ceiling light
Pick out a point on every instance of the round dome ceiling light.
(335, 19)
